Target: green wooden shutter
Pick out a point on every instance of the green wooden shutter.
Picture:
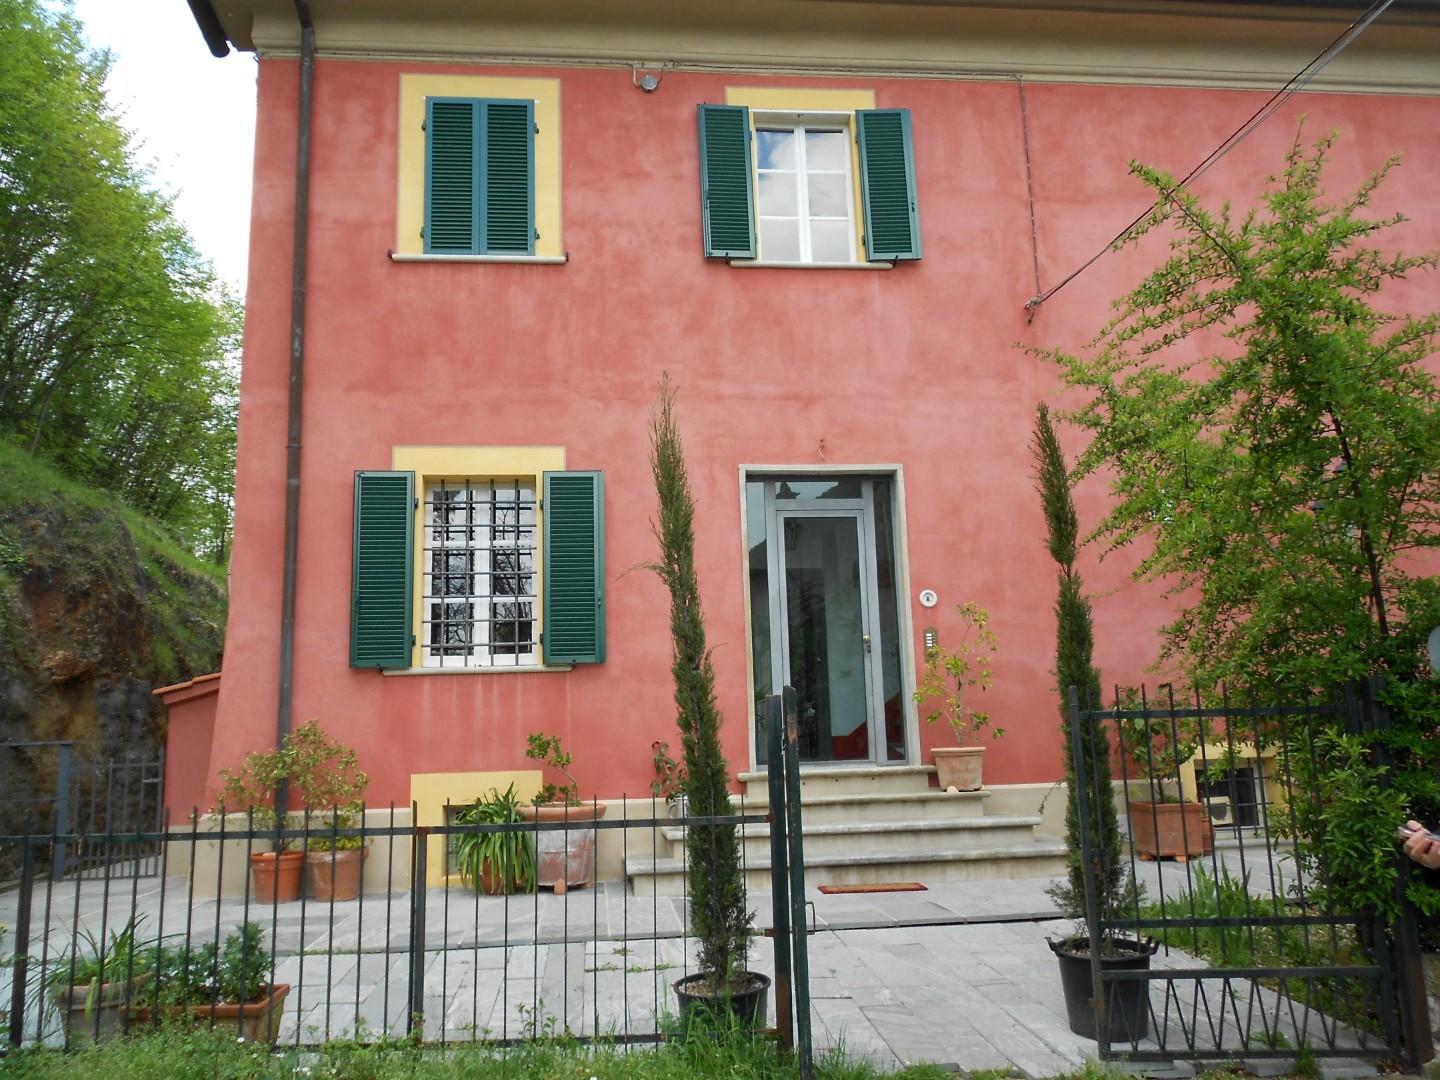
(451, 174)
(380, 602)
(508, 196)
(479, 177)
(887, 181)
(727, 202)
(574, 553)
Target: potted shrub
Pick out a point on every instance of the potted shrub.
(563, 857)
(494, 862)
(949, 675)
(669, 782)
(716, 882)
(1128, 1004)
(1162, 825)
(94, 986)
(326, 776)
(250, 790)
(229, 986)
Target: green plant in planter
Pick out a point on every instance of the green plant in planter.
(510, 855)
(547, 750)
(716, 880)
(951, 673)
(669, 782)
(327, 777)
(187, 974)
(95, 964)
(251, 789)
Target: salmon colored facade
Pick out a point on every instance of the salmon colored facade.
(915, 373)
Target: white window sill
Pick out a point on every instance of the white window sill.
(531, 669)
(760, 264)
(542, 260)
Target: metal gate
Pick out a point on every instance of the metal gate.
(1255, 960)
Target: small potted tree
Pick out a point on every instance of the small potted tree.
(1128, 1004)
(250, 790)
(950, 674)
(563, 857)
(718, 914)
(494, 863)
(327, 778)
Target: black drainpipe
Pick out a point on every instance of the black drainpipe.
(297, 376)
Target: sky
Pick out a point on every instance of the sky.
(192, 117)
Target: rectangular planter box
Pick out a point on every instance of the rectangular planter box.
(257, 1021)
(1170, 830)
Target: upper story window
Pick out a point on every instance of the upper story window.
(807, 178)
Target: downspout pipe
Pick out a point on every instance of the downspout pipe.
(299, 277)
(210, 27)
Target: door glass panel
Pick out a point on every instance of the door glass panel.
(889, 615)
(757, 566)
(823, 601)
(843, 488)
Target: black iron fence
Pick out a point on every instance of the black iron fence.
(1259, 952)
(416, 952)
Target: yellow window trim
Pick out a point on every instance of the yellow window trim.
(432, 463)
(410, 186)
(765, 99)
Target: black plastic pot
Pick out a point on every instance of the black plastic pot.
(1128, 1005)
(750, 1007)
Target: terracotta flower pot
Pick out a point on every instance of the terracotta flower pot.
(564, 857)
(276, 876)
(960, 767)
(99, 1016)
(1170, 830)
(256, 1021)
(334, 875)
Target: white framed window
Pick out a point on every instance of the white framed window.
(479, 574)
(805, 205)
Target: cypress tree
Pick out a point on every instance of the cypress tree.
(1075, 666)
(716, 881)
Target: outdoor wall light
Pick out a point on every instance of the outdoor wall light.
(649, 81)
(928, 599)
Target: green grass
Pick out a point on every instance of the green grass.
(181, 1054)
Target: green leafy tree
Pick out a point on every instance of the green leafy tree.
(1075, 666)
(717, 886)
(116, 341)
(1272, 433)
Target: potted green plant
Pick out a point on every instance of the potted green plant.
(950, 675)
(669, 782)
(563, 857)
(1128, 1004)
(716, 881)
(227, 986)
(494, 862)
(327, 778)
(93, 987)
(251, 790)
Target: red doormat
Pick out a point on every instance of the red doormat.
(884, 886)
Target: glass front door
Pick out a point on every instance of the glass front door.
(829, 626)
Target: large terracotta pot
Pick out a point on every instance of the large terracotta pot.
(564, 857)
(334, 875)
(256, 1021)
(960, 767)
(1170, 830)
(98, 1014)
(276, 876)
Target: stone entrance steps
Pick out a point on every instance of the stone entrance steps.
(866, 826)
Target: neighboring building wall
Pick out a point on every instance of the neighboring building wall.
(916, 366)
(189, 735)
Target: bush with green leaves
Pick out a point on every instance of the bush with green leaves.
(189, 974)
(504, 860)
(547, 750)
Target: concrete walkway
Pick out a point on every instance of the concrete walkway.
(959, 974)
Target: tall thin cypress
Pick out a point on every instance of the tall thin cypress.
(717, 888)
(1075, 666)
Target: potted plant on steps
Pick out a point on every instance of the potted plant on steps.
(327, 778)
(949, 675)
(250, 790)
(1127, 1008)
(229, 986)
(1162, 825)
(718, 915)
(499, 862)
(563, 857)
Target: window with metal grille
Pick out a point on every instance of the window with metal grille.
(479, 599)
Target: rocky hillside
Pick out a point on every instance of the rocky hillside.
(98, 606)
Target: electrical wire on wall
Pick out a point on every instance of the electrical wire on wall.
(1296, 83)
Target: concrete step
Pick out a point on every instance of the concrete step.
(931, 804)
(847, 780)
(879, 837)
(1038, 858)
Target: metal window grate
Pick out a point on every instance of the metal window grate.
(480, 592)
